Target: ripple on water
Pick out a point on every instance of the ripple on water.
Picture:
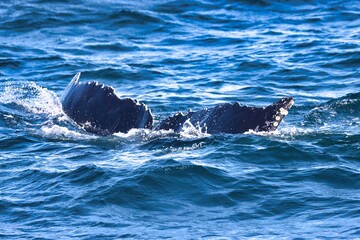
(300, 181)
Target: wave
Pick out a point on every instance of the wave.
(340, 111)
(149, 182)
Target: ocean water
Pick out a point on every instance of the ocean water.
(300, 182)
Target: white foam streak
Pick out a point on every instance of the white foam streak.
(188, 132)
(144, 134)
(284, 132)
(232, 88)
(56, 131)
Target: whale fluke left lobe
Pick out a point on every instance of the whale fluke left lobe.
(99, 110)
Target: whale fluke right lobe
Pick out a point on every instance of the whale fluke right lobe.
(231, 118)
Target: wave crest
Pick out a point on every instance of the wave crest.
(340, 110)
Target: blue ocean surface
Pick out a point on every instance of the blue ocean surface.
(300, 182)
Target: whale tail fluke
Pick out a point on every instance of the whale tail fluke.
(99, 110)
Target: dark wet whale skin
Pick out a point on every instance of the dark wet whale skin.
(99, 110)
(231, 118)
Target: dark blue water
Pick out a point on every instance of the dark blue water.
(301, 181)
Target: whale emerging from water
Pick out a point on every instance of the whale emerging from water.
(99, 110)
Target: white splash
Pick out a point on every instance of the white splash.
(33, 98)
(190, 131)
(42, 104)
